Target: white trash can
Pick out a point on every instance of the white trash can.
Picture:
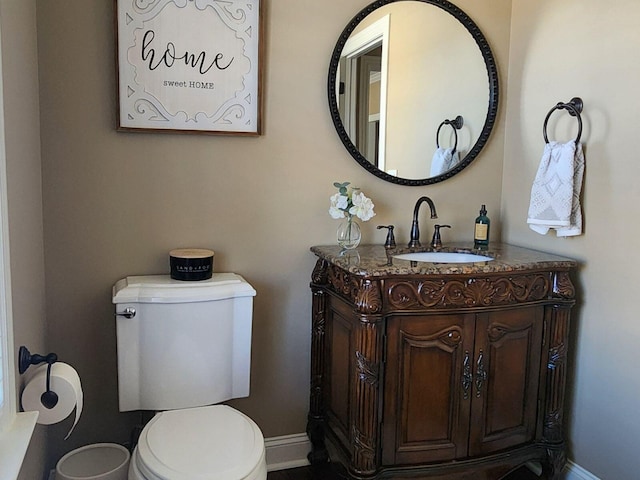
(99, 461)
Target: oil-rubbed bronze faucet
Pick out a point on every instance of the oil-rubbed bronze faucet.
(390, 242)
(415, 229)
(436, 241)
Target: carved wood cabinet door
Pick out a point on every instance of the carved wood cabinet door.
(427, 388)
(508, 346)
(460, 385)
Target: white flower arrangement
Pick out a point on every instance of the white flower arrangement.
(350, 201)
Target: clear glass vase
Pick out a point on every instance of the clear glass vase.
(349, 234)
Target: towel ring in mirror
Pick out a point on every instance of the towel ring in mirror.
(456, 124)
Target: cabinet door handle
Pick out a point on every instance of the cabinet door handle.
(481, 374)
(467, 377)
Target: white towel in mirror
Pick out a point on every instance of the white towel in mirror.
(444, 159)
(555, 194)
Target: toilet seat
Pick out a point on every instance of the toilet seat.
(203, 443)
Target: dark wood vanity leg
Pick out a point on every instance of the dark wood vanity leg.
(365, 399)
(316, 419)
(315, 431)
(553, 430)
(556, 461)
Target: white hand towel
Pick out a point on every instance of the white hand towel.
(555, 194)
(455, 159)
(443, 160)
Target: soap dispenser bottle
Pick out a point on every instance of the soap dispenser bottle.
(481, 231)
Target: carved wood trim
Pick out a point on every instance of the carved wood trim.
(319, 274)
(367, 371)
(470, 292)
(558, 329)
(450, 337)
(316, 419)
(341, 282)
(317, 352)
(363, 447)
(368, 298)
(365, 399)
(562, 285)
(556, 460)
(365, 294)
(498, 330)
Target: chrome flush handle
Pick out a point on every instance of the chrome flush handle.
(129, 312)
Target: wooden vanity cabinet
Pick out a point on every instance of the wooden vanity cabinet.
(460, 385)
(439, 376)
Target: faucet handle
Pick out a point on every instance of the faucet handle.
(390, 242)
(436, 241)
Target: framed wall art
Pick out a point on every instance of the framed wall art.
(191, 66)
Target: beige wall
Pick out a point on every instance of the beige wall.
(580, 48)
(22, 137)
(116, 203)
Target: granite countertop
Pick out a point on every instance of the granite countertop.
(375, 261)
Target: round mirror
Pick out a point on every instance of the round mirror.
(413, 90)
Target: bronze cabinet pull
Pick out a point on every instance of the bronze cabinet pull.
(481, 374)
(467, 377)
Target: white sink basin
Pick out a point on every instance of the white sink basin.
(443, 257)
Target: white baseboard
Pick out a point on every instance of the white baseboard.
(288, 451)
(576, 472)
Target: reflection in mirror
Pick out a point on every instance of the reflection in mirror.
(399, 70)
(446, 158)
(362, 89)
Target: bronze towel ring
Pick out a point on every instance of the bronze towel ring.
(456, 124)
(574, 107)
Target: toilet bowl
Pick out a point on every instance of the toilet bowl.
(202, 443)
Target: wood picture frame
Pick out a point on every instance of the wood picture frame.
(189, 66)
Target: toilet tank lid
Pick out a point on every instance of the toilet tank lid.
(163, 289)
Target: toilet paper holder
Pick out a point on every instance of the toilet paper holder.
(25, 359)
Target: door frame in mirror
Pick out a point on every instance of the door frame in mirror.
(492, 110)
(356, 47)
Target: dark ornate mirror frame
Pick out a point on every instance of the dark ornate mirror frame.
(492, 110)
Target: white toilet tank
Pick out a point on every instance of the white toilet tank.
(182, 344)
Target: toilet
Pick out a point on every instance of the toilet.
(183, 348)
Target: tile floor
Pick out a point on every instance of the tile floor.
(329, 472)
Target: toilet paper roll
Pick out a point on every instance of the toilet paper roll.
(65, 382)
